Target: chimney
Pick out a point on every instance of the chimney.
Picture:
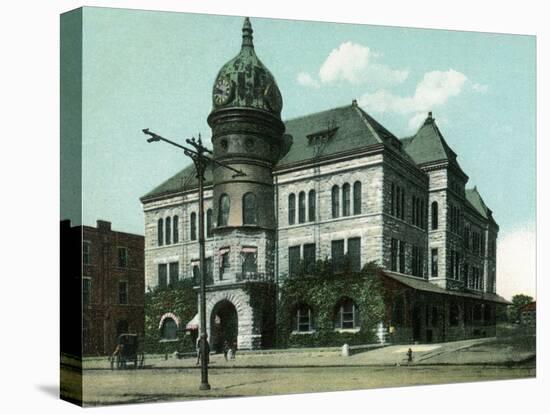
(104, 225)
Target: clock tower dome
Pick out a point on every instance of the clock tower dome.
(248, 135)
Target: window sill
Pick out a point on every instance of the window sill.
(302, 332)
(347, 330)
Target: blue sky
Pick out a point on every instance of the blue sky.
(156, 70)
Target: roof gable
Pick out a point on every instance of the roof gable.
(428, 144)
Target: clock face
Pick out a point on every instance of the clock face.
(273, 97)
(223, 91)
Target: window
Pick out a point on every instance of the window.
(435, 216)
(393, 255)
(174, 273)
(196, 272)
(122, 257)
(123, 292)
(392, 199)
(223, 210)
(335, 201)
(301, 207)
(354, 253)
(357, 197)
(434, 262)
(337, 249)
(162, 275)
(454, 315)
(169, 330)
(417, 261)
(160, 232)
(422, 215)
(309, 258)
(346, 315)
(465, 274)
(311, 205)
(175, 223)
(249, 209)
(208, 223)
(86, 252)
(168, 229)
(249, 262)
(303, 321)
(467, 238)
(398, 311)
(225, 265)
(86, 291)
(193, 224)
(208, 270)
(346, 201)
(291, 209)
(397, 202)
(401, 256)
(293, 260)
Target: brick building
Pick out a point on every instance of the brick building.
(112, 284)
(334, 184)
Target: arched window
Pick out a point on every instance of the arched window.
(335, 201)
(311, 205)
(193, 229)
(209, 222)
(357, 197)
(303, 319)
(301, 207)
(168, 228)
(346, 200)
(250, 209)
(291, 209)
(223, 210)
(169, 330)
(175, 223)
(435, 215)
(346, 315)
(160, 232)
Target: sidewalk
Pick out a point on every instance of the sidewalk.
(481, 351)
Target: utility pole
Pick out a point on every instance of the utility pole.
(198, 153)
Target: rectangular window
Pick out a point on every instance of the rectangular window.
(86, 291)
(401, 256)
(86, 252)
(224, 264)
(162, 275)
(174, 273)
(465, 274)
(309, 258)
(452, 267)
(209, 270)
(348, 315)
(293, 260)
(249, 262)
(337, 248)
(123, 292)
(196, 272)
(354, 253)
(122, 257)
(393, 255)
(434, 262)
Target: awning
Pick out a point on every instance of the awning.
(193, 324)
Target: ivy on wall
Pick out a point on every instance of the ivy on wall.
(322, 290)
(181, 300)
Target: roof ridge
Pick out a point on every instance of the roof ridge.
(317, 113)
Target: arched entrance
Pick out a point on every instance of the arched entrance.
(223, 325)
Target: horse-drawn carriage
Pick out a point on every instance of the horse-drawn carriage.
(127, 351)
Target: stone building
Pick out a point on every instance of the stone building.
(334, 184)
(112, 284)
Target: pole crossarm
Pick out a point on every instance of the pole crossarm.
(196, 153)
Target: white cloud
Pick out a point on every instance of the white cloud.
(480, 88)
(355, 63)
(305, 79)
(516, 262)
(434, 90)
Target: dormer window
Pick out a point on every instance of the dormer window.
(322, 136)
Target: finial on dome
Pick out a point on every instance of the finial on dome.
(247, 33)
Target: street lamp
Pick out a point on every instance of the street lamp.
(198, 154)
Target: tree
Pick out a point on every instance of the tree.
(518, 301)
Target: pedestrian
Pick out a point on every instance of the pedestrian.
(225, 349)
(234, 349)
(410, 355)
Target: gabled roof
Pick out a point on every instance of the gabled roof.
(333, 131)
(476, 202)
(184, 180)
(428, 144)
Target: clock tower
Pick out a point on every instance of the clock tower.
(248, 135)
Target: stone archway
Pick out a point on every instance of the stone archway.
(224, 325)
